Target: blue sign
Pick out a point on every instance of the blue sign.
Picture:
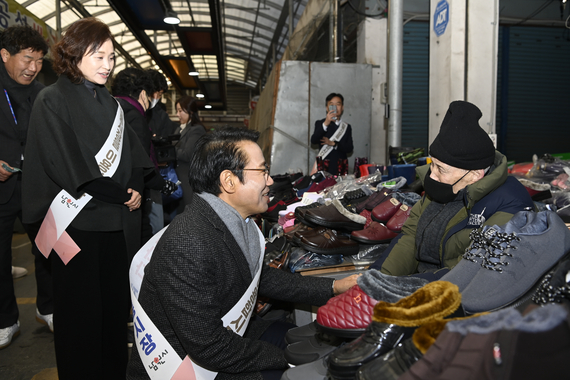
(440, 17)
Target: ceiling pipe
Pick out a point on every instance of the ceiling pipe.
(58, 17)
(333, 32)
(395, 72)
(291, 16)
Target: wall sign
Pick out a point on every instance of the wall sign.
(440, 17)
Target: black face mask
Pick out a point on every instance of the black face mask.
(440, 192)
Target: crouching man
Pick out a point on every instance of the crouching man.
(210, 258)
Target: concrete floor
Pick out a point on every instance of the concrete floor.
(31, 355)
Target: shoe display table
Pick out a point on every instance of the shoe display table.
(348, 265)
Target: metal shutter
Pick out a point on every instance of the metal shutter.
(415, 86)
(533, 114)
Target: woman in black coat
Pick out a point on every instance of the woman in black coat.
(81, 150)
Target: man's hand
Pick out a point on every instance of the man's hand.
(326, 141)
(4, 174)
(135, 201)
(341, 286)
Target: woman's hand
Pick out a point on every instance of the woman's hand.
(135, 201)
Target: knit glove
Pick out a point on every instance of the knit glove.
(169, 187)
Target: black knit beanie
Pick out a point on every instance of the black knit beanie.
(461, 142)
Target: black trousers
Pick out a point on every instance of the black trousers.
(275, 334)
(91, 307)
(8, 308)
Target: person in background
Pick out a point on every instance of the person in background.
(191, 130)
(158, 119)
(80, 151)
(333, 135)
(131, 87)
(22, 51)
(210, 257)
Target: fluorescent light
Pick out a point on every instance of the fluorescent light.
(200, 96)
(171, 17)
(207, 106)
(193, 73)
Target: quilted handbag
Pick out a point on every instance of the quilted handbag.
(348, 314)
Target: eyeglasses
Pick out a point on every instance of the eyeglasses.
(265, 171)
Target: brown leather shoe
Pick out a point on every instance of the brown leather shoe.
(330, 243)
(310, 231)
(376, 233)
(299, 227)
(330, 217)
(301, 210)
(397, 221)
(385, 210)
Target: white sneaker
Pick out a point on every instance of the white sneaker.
(6, 334)
(18, 272)
(46, 319)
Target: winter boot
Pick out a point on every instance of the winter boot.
(392, 323)
(530, 347)
(348, 314)
(511, 270)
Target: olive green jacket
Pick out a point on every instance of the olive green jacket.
(492, 200)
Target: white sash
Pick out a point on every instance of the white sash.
(64, 208)
(336, 137)
(159, 359)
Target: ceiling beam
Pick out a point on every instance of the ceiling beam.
(218, 42)
(125, 13)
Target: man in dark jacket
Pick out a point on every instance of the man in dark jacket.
(333, 135)
(22, 51)
(207, 261)
(467, 186)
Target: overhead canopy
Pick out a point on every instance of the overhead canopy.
(235, 41)
(225, 42)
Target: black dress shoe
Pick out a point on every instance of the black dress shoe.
(329, 216)
(316, 370)
(378, 339)
(316, 347)
(392, 365)
(301, 333)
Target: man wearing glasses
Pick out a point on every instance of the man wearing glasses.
(210, 258)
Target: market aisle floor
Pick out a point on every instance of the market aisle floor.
(31, 355)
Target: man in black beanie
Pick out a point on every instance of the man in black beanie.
(466, 186)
